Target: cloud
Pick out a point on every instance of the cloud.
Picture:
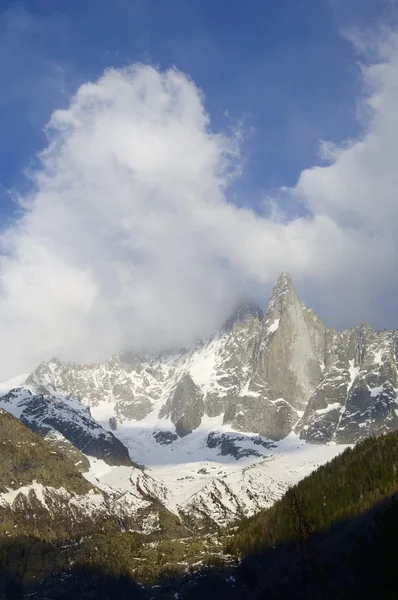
(112, 248)
(127, 238)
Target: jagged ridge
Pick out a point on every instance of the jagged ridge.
(264, 373)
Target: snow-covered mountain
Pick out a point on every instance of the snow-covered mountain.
(357, 395)
(64, 419)
(223, 428)
(268, 374)
(212, 476)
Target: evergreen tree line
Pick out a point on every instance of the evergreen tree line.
(344, 488)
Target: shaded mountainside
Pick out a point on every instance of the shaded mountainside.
(65, 419)
(345, 487)
(43, 493)
(265, 373)
(332, 536)
(25, 458)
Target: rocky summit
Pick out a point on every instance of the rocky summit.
(268, 373)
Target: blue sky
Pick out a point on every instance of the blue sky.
(283, 67)
(130, 231)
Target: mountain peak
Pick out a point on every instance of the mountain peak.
(242, 312)
(282, 292)
(284, 282)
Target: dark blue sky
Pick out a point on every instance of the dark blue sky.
(282, 66)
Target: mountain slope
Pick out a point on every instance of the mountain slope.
(265, 373)
(317, 542)
(341, 489)
(49, 415)
(43, 493)
(333, 535)
(25, 457)
(357, 396)
(41, 490)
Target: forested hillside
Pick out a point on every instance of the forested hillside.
(332, 536)
(344, 488)
(25, 457)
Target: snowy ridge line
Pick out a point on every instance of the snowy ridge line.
(89, 503)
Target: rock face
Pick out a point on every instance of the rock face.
(264, 373)
(291, 357)
(185, 407)
(230, 444)
(65, 420)
(357, 395)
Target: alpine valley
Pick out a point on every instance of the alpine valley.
(191, 442)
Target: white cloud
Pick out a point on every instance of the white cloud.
(127, 238)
